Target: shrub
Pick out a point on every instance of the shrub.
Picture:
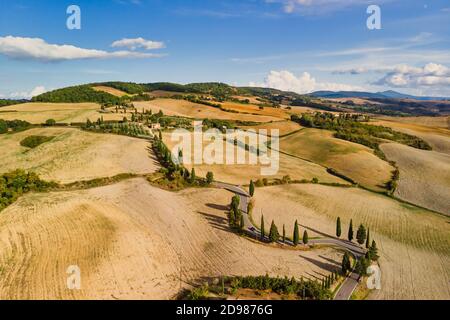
(50, 122)
(34, 141)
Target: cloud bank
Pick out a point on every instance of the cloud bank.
(304, 83)
(136, 43)
(24, 94)
(39, 49)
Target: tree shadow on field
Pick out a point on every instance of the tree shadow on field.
(216, 222)
(318, 232)
(217, 207)
(323, 265)
(333, 262)
(153, 157)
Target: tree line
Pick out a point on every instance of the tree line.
(16, 183)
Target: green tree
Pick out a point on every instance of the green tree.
(338, 227)
(193, 177)
(346, 264)
(373, 251)
(361, 234)
(305, 237)
(251, 188)
(232, 218)
(296, 234)
(263, 231)
(350, 231)
(209, 177)
(361, 266)
(50, 122)
(273, 234)
(284, 234)
(368, 239)
(242, 224)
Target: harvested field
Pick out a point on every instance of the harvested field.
(113, 91)
(297, 169)
(38, 113)
(76, 155)
(251, 99)
(351, 159)
(284, 127)
(434, 122)
(424, 176)
(42, 234)
(357, 101)
(183, 108)
(438, 137)
(413, 243)
(254, 109)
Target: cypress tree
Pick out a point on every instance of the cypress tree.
(361, 234)
(273, 234)
(346, 264)
(263, 232)
(338, 227)
(373, 251)
(232, 217)
(251, 188)
(284, 234)
(209, 177)
(368, 239)
(193, 175)
(305, 237)
(296, 233)
(350, 231)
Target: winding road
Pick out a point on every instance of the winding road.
(349, 284)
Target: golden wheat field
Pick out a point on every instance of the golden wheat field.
(284, 127)
(183, 108)
(424, 176)
(431, 130)
(254, 109)
(38, 113)
(74, 155)
(413, 243)
(297, 169)
(113, 91)
(351, 159)
(177, 238)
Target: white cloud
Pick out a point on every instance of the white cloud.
(136, 43)
(304, 83)
(314, 7)
(27, 95)
(431, 75)
(39, 49)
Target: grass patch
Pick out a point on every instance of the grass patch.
(35, 141)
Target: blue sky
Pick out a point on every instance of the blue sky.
(298, 45)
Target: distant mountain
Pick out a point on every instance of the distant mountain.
(390, 94)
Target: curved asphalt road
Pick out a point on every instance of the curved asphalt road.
(349, 284)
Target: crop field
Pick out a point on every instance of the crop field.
(177, 238)
(431, 130)
(413, 243)
(74, 155)
(284, 127)
(351, 159)
(113, 91)
(174, 107)
(254, 109)
(297, 169)
(436, 122)
(424, 176)
(38, 113)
